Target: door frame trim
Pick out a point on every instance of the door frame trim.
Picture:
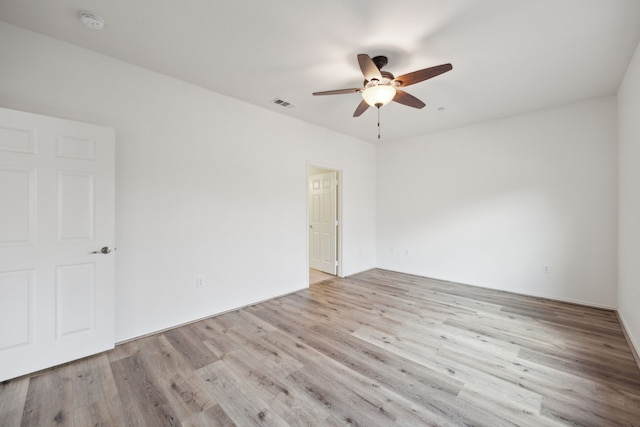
(339, 232)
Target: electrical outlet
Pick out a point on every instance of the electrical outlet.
(545, 269)
(199, 282)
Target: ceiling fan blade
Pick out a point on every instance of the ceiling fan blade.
(404, 98)
(368, 67)
(362, 107)
(421, 75)
(338, 91)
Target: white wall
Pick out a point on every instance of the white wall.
(200, 176)
(629, 194)
(206, 185)
(493, 203)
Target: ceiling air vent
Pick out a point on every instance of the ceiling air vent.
(282, 103)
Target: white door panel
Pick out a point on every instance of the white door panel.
(17, 193)
(322, 222)
(56, 207)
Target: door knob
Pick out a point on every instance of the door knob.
(105, 250)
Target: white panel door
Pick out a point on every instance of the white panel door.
(322, 222)
(56, 208)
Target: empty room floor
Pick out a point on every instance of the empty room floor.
(375, 349)
(316, 276)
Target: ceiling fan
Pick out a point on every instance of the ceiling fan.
(381, 87)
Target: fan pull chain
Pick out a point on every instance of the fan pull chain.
(378, 122)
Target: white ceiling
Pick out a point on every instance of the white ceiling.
(508, 56)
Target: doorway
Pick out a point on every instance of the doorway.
(324, 222)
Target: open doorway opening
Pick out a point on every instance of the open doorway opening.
(324, 222)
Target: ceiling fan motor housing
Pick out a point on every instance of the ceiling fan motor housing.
(380, 61)
(387, 79)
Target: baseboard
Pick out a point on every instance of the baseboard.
(359, 272)
(632, 344)
(541, 296)
(207, 316)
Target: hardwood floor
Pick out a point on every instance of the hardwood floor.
(376, 349)
(316, 276)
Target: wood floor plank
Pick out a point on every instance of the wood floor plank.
(599, 371)
(350, 405)
(505, 410)
(316, 276)
(174, 378)
(333, 304)
(573, 413)
(186, 341)
(279, 392)
(378, 348)
(92, 380)
(418, 384)
(477, 379)
(57, 407)
(211, 417)
(13, 395)
(124, 350)
(240, 403)
(216, 339)
(142, 402)
(280, 363)
(564, 389)
(107, 411)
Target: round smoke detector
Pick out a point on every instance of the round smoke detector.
(91, 20)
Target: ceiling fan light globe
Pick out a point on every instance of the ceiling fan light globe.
(379, 95)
